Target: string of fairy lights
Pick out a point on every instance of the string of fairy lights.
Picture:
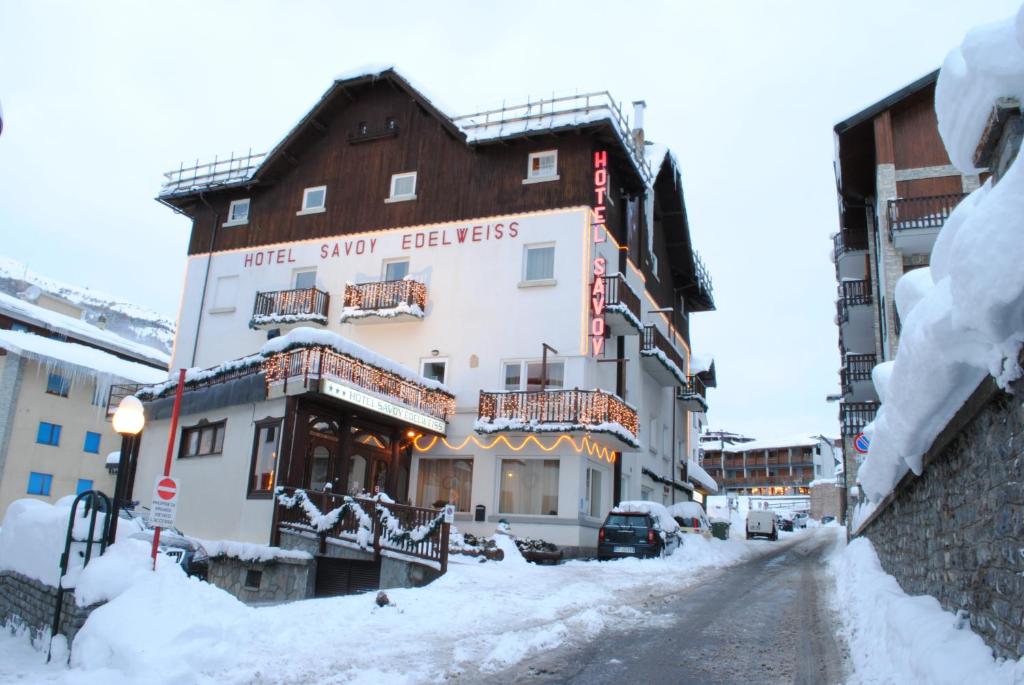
(386, 294)
(587, 407)
(586, 444)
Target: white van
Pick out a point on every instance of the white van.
(762, 523)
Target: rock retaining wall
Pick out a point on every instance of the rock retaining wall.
(264, 582)
(30, 603)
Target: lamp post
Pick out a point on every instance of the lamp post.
(128, 422)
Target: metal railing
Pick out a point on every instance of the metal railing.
(855, 292)
(618, 292)
(559, 111)
(310, 364)
(209, 174)
(858, 367)
(303, 304)
(653, 340)
(853, 416)
(580, 407)
(847, 240)
(703, 277)
(381, 528)
(385, 295)
(921, 212)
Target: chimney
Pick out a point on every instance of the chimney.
(638, 125)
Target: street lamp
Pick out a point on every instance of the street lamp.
(129, 420)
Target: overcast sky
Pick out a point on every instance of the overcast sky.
(100, 98)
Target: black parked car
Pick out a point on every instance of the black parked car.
(189, 553)
(634, 534)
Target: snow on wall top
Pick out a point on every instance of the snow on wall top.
(61, 323)
(138, 322)
(82, 357)
(988, 65)
(963, 317)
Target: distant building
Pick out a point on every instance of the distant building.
(896, 188)
(743, 466)
(55, 374)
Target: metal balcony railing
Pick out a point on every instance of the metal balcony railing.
(385, 295)
(618, 292)
(848, 240)
(858, 367)
(573, 407)
(855, 292)
(653, 341)
(921, 212)
(284, 306)
(853, 416)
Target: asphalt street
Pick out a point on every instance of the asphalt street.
(764, 621)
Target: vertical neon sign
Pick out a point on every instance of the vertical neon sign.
(600, 265)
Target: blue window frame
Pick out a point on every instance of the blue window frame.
(92, 442)
(49, 434)
(57, 384)
(83, 485)
(39, 483)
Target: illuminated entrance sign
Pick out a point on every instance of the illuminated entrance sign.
(343, 392)
(600, 265)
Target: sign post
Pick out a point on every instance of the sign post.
(167, 486)
(165, 502)
(449, 513)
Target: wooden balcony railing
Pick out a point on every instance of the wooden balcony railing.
(853, 416)
(386, 295)
(921, 212)
(310, 364)
(858, 367)
(653, 341)
(848, 240)
(855, 292)
(618, 292)
(379, 525)
(284, 306)
(584, 408)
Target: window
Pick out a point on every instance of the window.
(652, 437)
(593, 501)
(84, 484)
(314, 200)
(92, 442)
(529, 486)
(238, 213)
(49, 434)
(396, 270)
(18, 326)
(434, 369)
(538, 263)
(403, 187)
(264, 457)
(39, 483)
(516, 372)
(305, 279)
(646, 493)
(542, 166)
(445, 481)
(57, 384)
(225, 292)
(202, 439)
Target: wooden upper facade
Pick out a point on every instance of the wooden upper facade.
(366, 129)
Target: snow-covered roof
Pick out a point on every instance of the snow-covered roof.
(62, 323)
(773, 444)
(687, 510)
(697, 474)
(81, 358)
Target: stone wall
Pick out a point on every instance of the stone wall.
(826, 500)
(28, 602)
(264, 582)
(957, 531)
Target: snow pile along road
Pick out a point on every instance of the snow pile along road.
(963, 318)
(895, 638)
(478, 618)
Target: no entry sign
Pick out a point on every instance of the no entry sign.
(165, 502)
(861, 443)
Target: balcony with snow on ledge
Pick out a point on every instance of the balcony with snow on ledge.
(661, 359)
(915, 222)
(289, 308)
(604, 416)
(384, 301)
(621, 306)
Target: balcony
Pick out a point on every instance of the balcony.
(560, 411)
(621, 307)
(854, 315)
(384, 301)
(855, 376)
(853, 416)
(661, 359)
(914, 222)
(284, 308)
(700, 293)
(693, 396)
(849, 247)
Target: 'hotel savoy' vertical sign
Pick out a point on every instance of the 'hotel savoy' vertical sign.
(597, 229)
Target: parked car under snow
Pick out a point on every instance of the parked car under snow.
(637, 529)
(692, 518)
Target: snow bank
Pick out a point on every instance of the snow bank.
(123, 565)
(896, 638)
(32, 539)
(247, 551)
(964, 317)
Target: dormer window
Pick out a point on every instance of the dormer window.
(403, 187)
(238, 213)
(314, 200)
(542, 166)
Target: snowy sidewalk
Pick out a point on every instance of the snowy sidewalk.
(172, 629)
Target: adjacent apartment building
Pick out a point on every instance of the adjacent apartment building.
(55, 374)
(896, 188)
(489, 310)
(745, 466)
